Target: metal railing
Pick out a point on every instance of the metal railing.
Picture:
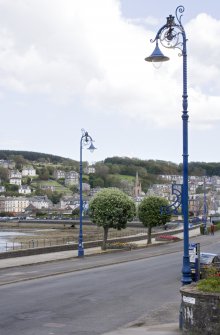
(43, 243)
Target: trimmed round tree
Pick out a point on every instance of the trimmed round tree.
(111, 208)
(149, 213)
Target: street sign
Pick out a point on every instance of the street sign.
(192, 252)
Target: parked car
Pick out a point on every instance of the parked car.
(207, 260)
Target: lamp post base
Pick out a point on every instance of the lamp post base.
(80, 248)
(186, 271)
(80, 252)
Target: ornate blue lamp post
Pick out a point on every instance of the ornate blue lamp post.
(85, 141)
(172, 35)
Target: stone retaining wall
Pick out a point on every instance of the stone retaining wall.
(200, 311)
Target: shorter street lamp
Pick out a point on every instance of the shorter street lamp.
(85, 141)
(204, 208)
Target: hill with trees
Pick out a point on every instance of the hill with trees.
(33, 156)
(157, 167)
(117, 172)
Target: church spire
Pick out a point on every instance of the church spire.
(137, 187)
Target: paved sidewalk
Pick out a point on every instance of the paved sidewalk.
(43, 258)
(163, 329)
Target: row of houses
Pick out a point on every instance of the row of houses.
(18, 205)
(194, 181)
(70, 177)
(21, 205)
(23, 189)
(208, 195)
(15, 178)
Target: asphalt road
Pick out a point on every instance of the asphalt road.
(96, 300)
(89, 301)
(20, 273)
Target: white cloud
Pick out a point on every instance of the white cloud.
(86, 50)
(150, 20)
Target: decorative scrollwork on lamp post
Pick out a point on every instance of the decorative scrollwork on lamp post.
(175, 207)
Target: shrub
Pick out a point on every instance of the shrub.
(121, 245)
(210, 284)
(209, 271)
(167, 238)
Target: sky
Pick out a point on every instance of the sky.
(67, 65)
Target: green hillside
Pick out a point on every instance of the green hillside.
(34, 156)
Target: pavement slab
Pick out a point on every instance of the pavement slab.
(163, 329)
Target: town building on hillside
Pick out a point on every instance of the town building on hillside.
(2, 203)
(15, 181)
(86, 188)
(15, 204)
(2, 189)
(7, 164)
(71, 178)
(59, 174)
(161, 190)
(51, 188)
(15, 174)
(24, 189)
(177, 179)
(28, 171)
(89, 169)
(69, 201)
(192, 187)
(196, 204)
(41, 202)
(30, 210)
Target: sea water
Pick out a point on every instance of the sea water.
(5, 238)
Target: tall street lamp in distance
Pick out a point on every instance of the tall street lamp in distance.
(172, 35)
(85, 141)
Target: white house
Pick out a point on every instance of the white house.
(15, 204)
(7, 164)
(24, 189)
(68, 201)
(40, 202)
(71, 178)
(15, 181)
(28, 171)
(59, 174)
(2, 189)
(15, 174)
(89, 169)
